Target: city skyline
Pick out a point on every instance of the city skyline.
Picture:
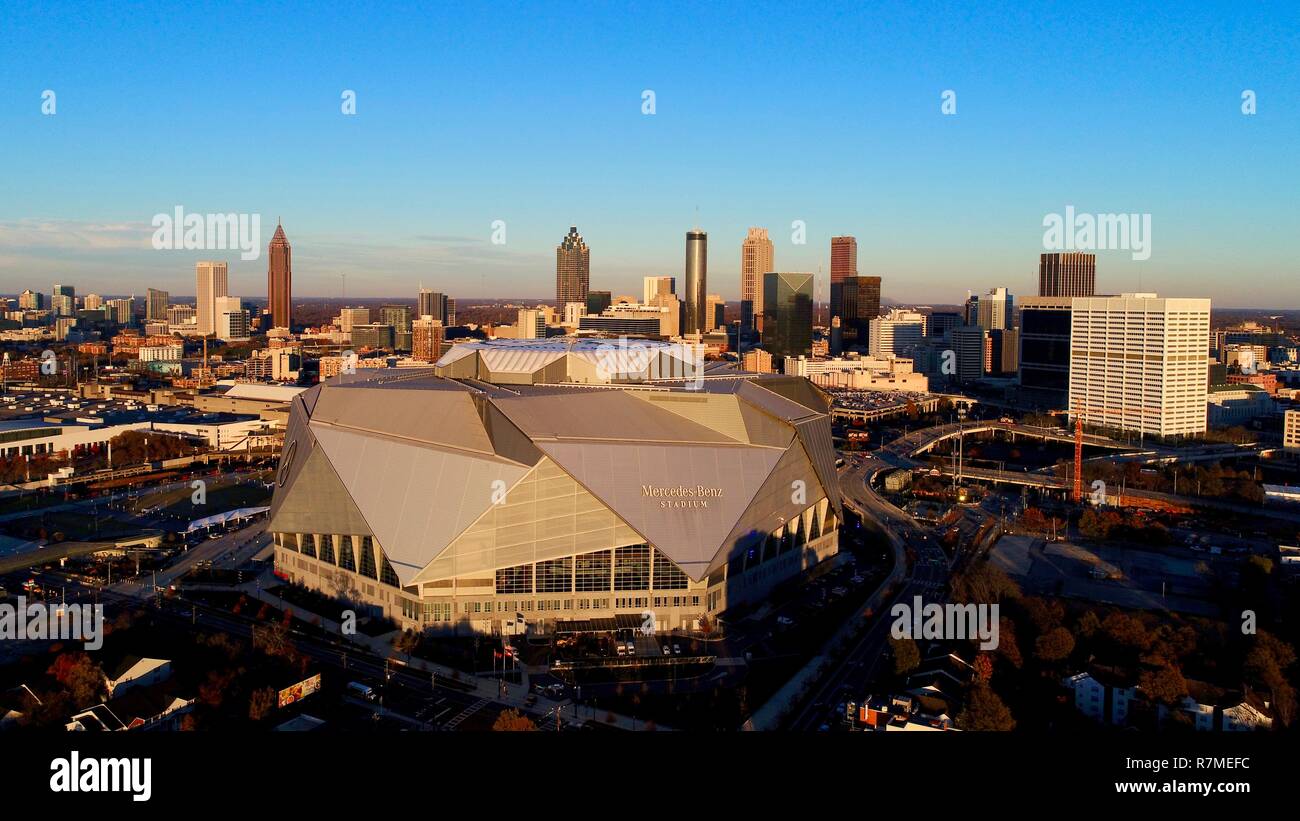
(936, 201)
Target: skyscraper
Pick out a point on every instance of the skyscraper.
(156, 304)
(656, 286)
(1140, 363)
(231, 318)
(437, 305)
(897, 334)
(212, 283)
(994, 311)
(279, 279)
(697, 274)
(63, 300)
(844, 264)
(427, 334)
(1045, 349)
(572, 269)
(598, 301)
(1069, 274)
(788, 314)
(757, 257)
(858, 303)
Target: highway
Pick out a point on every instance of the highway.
(926, 577)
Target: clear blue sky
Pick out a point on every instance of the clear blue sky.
(766, 113)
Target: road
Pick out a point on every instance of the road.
(927, 576)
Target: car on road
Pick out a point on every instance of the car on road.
(360, 690)
(668, 651)
(785, 621)
(677, 649)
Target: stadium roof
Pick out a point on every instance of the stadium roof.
(410, 462)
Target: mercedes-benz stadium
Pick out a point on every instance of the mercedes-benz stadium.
(503, 494)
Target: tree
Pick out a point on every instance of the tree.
(706, 625)
(1055, 645)
(1088, 624)
(985, 711)
(261, 703)
(983, 668)
(82, 677)
(513, 721)
(1164, 684)
(1126, 631)
(273, 639)
(1265, 664)
(1008, 647)
(906, 657)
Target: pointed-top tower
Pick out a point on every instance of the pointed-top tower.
(279, 278)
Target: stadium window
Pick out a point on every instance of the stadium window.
(632, 567)
(555, 576)
(593, 571)
(368, 558)
(387, 575)
(667, 575)
(517, 579)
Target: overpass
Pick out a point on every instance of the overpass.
(923, 441)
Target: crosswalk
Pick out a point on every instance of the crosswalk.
(466, 713)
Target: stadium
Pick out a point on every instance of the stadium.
(514, 486)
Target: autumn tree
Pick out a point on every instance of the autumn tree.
(1008, 646)
(81, 676)
(985, 711)
(906, 655)
(1126, 631)
(261, 703)
(1265, 665)
(1164, 684)
(513, 721)
(1055, 645)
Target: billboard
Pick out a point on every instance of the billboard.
(299, 691)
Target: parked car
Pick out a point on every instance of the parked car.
(677, 649)
(668, 651)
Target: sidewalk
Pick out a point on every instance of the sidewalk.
(512, 695)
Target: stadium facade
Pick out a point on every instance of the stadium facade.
(494, 491)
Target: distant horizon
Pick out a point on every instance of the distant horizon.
(455, 145)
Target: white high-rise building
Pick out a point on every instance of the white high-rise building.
(349, 318)
(232, 319)
(213, 283)
(1138, 362)
(896, 334)
(995, 310)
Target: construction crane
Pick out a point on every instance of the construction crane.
(1078, 410)
(1078, 459)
